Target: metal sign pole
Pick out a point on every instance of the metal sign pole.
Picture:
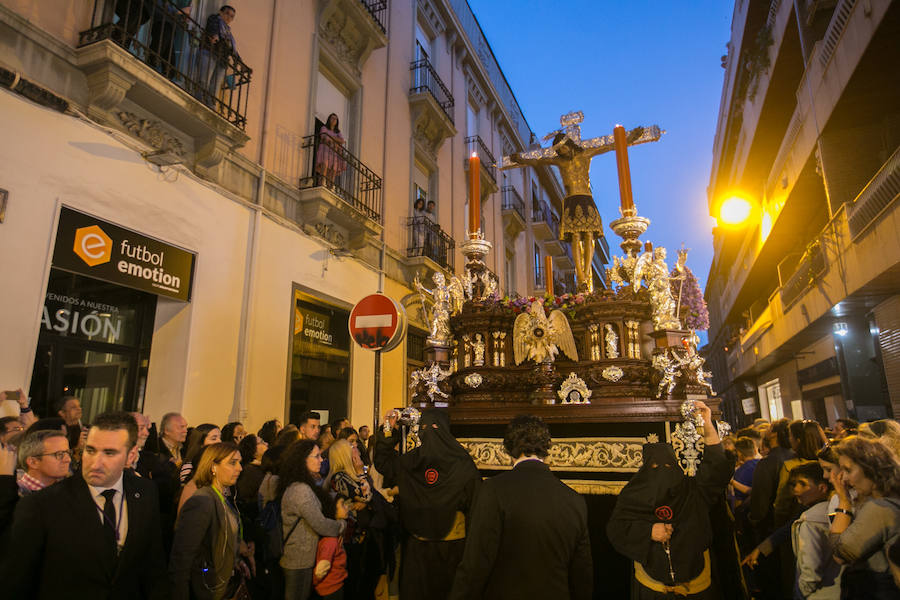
(377, 387)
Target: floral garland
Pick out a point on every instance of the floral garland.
(565, 302)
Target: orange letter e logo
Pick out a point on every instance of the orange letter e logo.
(92, 245)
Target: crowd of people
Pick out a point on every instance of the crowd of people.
(125, 509)
(817, 511)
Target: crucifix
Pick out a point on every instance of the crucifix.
(581, 224)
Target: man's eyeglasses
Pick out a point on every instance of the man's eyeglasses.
(60, 455)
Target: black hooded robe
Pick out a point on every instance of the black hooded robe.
(660, 493)
(437, 482)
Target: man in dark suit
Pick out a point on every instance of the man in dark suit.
(528, 534)
(93, 535)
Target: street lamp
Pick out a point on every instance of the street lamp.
(735, 211)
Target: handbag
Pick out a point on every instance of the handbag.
(237, 587)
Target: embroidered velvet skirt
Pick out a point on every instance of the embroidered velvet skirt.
(580, 215)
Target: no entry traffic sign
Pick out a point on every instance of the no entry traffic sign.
(377, 322)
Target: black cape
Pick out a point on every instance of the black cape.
(660, 493)
(436, 480)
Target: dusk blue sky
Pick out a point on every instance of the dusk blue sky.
(633, 62)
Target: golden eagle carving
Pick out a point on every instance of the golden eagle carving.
(540, 338)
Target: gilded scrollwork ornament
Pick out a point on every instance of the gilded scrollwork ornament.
(574, 391)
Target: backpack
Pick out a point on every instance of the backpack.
(269, 522)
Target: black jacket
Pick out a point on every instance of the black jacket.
(765, 486)
(527, 538)
(60, 547)
(203, 551)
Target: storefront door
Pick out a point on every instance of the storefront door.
(94, 344)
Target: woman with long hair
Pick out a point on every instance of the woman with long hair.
(301, 516)
(205, 560)
(329, 162)
(200, 437)
(252, 449)
(347, 479)
(806, 439)
(863, 532)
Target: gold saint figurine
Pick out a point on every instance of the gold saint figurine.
(581, 224)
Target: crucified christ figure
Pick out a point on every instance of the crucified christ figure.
(580, 224)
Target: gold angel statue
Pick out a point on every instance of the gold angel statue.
(446, 299)
(540, 337)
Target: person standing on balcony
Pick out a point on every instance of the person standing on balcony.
(420, 225)
(169, 17)
(215, 52)
(329, 162)
(131, 15)
(431, 237)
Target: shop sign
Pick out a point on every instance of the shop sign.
(96, 248)
(749, 405)
(72, 315)
(313, 327)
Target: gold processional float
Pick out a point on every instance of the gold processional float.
(608, 369)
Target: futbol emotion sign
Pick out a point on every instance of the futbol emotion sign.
(90, 246)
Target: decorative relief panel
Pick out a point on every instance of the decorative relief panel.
(595, 488)
(570, 454)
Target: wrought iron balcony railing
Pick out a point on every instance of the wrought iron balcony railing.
(329, 164)
(378, 10)
(426, 238)
(192, 57)
(541, 213)
(513, 201)
(425, 79)
(475, 144)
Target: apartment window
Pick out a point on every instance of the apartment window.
(471, 120)
(535, 198)
(510, 274)
(332, 99)
(538, 270)
(423, 44)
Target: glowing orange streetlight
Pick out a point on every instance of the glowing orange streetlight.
(735, 211)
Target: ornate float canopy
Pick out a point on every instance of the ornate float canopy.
(612, 355)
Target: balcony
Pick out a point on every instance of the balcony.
(544, 223)
(564, 261)
(340, 197)
(432, 107)
(513, 208)
(475, 145)
(351, 30)
(153, 72)
(877, 197)
(428, 241)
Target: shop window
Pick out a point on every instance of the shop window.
(320, 357)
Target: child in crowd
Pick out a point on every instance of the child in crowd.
(747, 456)
(331, 560)
(818, 575)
